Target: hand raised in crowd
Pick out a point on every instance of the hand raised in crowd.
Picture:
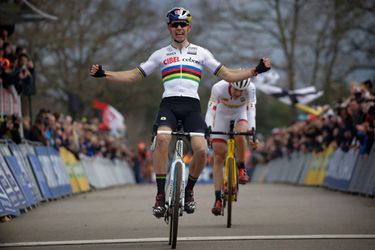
(24, 73)
(96, 70)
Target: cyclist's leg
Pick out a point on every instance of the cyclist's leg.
(241, 146)
(193, 122)
(222, 121)
(197, 163)
(198, 160)
(219, 147)
(160, 154)
(166, 121)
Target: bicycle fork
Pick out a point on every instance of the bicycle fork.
(230, 155)
(172, 180)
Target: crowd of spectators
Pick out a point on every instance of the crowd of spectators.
(58, 130)
(348, 123)
(17, 75)
(16, 68)
(82, 137)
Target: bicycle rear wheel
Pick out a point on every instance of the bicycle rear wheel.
(230, 192)
(175, 206)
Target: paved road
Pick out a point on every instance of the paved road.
(265, 217)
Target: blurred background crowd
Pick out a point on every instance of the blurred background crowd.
(346, 124)
(56, 129)
(16, 68)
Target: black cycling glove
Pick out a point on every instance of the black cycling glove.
(100, 72)
(261, 67)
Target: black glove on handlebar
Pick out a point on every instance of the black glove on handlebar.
(261, 67)
(100, 72)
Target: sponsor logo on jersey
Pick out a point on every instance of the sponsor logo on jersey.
(191, 60)
(243, 99)
(192, 50)
(171, 53)
(170, 60)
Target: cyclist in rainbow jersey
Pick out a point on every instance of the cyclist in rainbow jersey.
(181, 64)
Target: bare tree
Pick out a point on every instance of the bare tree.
(316, 43)
(106, 32)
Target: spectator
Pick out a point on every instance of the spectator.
(9, 129)
(24, 75)
(37, 131)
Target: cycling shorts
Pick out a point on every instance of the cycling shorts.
(186, 109)
(222, 122)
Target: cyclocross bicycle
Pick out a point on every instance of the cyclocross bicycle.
(175, 188)
(230, 170)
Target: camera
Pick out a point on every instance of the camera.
(24, 68)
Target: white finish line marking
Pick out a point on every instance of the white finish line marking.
(180, 239)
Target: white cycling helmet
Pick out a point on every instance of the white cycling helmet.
(241, 85)
(178, 13)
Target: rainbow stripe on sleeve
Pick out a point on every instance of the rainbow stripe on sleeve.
(141, 72)
(181, 71)
(218, 70)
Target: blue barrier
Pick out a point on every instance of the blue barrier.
(363, 179)
(340, 169)
(26, 168)
(62, 175)
(6, 206)
(48, 170)
(39, 174)
(22, 180)
(18, 200)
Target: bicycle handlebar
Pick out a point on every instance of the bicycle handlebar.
(178, 133)
(233, 133)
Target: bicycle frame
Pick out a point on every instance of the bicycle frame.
(230, 170)
(177, 158)
(230, 157)
(175, 199)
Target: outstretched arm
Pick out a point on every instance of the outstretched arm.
(127, 76)
(234, 75)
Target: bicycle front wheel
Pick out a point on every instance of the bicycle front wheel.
(175, 204)
(230, 192)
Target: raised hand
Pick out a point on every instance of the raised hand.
(96, 70)
(263, 65)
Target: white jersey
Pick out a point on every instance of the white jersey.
(222, 107)
(181, 70)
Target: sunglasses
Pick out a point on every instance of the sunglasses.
(176, 24)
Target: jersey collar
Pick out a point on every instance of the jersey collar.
(182, 48)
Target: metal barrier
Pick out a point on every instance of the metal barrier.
(31, 173)
(335, 169)
(103, 173)
(363, 178)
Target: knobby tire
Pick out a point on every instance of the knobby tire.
(230, 192)
(176, 204)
